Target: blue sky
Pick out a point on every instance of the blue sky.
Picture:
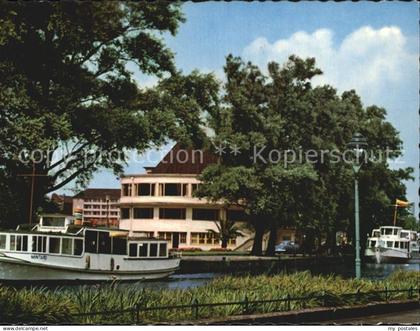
(370, 47)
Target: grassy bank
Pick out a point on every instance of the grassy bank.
(39, 305)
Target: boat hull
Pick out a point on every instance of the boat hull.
(14, 270)
(383, 255)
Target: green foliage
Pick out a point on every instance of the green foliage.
(40, 306)
(226, 230)
(282, 111)
(67, 90)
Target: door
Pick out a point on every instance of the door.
(175, 240)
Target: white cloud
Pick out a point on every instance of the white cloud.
(367, 59)
(380, 64)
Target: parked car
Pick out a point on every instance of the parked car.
(287, 246)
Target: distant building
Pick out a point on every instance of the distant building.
(160, 203)
(99, 206)
(64, 203)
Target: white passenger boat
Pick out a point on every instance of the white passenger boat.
(56, 249)
(392, 244)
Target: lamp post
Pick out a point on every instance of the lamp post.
(358, 143)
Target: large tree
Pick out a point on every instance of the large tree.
(282, 111)
(68, 95)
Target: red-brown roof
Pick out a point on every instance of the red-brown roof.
(95, 193)
(183, 160)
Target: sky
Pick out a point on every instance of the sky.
(370, 47)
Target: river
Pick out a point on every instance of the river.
(182, 281)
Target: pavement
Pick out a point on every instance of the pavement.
(410, 317)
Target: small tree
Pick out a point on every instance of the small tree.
(226, 230)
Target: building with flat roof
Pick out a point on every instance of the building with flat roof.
(99, 206)
(160, 203)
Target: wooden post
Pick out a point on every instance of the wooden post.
(395, 214)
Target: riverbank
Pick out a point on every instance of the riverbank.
(245, 263)
(221, 297)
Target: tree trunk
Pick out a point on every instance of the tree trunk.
(258, 238)
(272, 240)
(224, 243)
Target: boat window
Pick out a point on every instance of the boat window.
(388, 231)
(119, 246)
(39, 244)
(78, 247)
(375, 233)
(12, 243)
(404, 235)
(143, 248)
(372, 243)
(153, 249)
(25, 243)
(67, 246)
(389, 244)
(91, 241)
(162, 249)
(395, 231)
(132, 250)
(34, 240)
(397, 244)
(54, 245)
(18, 243)
(2, 241)
(53, 221)
(104, 243)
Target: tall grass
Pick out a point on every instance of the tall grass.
(39, 305)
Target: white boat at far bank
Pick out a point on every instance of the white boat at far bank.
(55, 249)
(392, 244)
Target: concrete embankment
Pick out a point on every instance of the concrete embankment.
(316, 315)
(232, 263)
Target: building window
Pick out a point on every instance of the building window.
(125, 213)
(165, 236)
(168, 236)
(143, 213)
(172, 213)
(236, 215)
(126, 190)
(172, 189)
(205, 214)
(204, 238)
(194, 188)
(145, 189)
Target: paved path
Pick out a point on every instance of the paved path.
(403, 317)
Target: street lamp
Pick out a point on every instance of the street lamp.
(358, 144)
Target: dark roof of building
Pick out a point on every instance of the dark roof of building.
(61, 198)
(183, 160)
(92, 193)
